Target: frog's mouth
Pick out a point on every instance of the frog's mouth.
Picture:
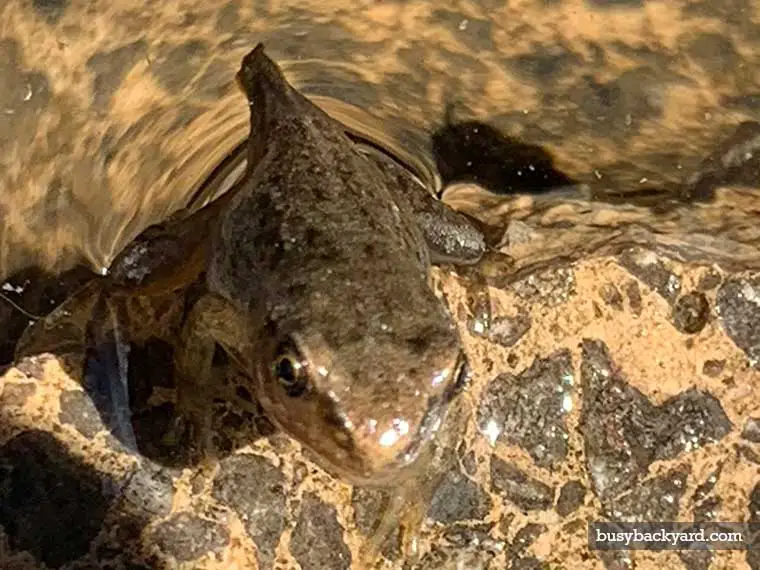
(382, 457)
(364, 461)
(368, 462)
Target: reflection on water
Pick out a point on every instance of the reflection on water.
(113, 113)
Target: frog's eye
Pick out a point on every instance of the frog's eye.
(290, 370)
(462, 378)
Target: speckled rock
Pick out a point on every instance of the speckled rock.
(529, 411)
(738, 302)
(575, 422)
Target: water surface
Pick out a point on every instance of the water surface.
(113, 113)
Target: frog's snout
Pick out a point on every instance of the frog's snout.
(384, 428)
(381, 448)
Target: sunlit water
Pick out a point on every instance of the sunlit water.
(114, 113)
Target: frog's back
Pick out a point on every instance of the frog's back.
(321, 253)
(313, 210)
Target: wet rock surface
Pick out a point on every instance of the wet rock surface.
(317, 540)
(571, 497)
(186, 537)
(624, 433)
(517, 488)
(691, 312)
(459, 498)
(36, 293)
(529, 410)
(738, 303)
(43, 486)
(654, 424)
(253, 485)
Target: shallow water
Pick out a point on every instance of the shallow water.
(114, 113)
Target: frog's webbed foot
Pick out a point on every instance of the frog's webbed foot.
(450, 236)
(212, 320)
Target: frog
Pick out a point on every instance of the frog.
(317, 286)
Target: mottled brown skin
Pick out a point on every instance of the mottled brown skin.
(319, 290)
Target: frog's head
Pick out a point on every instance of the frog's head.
(367, 404)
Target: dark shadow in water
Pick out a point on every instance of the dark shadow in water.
(28, 295)
(121, 378)
(55, 506)
(122, 373)
(472, 151)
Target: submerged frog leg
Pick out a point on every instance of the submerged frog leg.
(212, 320)
(406, 505)
(65, 329)
(405, 511)
(167, 256)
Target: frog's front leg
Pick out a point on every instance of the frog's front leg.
(212, 320)
(451, 237)
(64, 330)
